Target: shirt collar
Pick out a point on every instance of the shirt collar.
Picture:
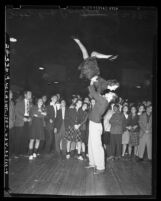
(52, 104)
(26, 101)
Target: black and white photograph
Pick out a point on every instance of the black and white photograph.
(79, 101)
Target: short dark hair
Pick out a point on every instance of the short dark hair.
(44, 95)
(141, 105)
(116, 105)
(79, 99)
(123, 107)
(37, 99)
(25, 92)
(134, 107)
(84, 103)
(53, 96)
(63, 100)
(149, 106)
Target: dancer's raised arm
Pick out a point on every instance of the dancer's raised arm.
(102, 56)
(82, 47)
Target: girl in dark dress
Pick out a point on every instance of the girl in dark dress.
(90, 70)
(83, 129)
(44, 109)
(72, 127)
(37, 128)
(133, 127)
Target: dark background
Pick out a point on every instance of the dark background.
(44, 39)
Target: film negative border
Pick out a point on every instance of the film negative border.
(6, 112)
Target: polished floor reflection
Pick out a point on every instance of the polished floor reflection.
(50, 175)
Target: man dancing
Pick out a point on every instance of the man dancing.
(95, 148)
(90, 70)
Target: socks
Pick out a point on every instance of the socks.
(83, 154)
(35, 151)
(67, 153)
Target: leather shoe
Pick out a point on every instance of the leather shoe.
(99, 171)
(139, 159)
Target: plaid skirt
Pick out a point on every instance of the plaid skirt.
(134, 138)
(73, 135)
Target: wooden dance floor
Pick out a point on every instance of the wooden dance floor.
(48, 175)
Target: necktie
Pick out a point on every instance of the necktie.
(55, 110)
(27, 108)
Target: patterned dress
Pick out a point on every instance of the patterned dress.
(73, 118)
(134, 133)
(83, 127)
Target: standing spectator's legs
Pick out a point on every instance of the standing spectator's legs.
(118, 139)
(11, 142)
(68, 149)
(108, 150)
(31, 147)
(57, 143)
(90, 149)
(79, 145)
(136, 150)
(52, 141)
(112, 145)
(149, 146)
(83, 148)
(48, 140)
(41, 146)
(63, 145)
(142, 145)
(124, 146)
(36, 147)
(17, 140)
(130, 149)
(25, 139)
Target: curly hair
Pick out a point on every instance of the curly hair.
(89, 68)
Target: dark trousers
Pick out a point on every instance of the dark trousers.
(22, 139)
(57, 142)
(11, 141)
(17, 140)
(42, 144)
(106, 141)
(116, 144)
(49, 145)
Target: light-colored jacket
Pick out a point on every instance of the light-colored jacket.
(106, 123)
(145, 126)
(19, 113)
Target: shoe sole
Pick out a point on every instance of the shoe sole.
(99, 172)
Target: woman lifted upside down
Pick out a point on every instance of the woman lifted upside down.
(90, 70)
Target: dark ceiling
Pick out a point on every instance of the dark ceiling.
(44, 39)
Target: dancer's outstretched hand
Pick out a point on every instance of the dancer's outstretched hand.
(110, 96)
(75, 38)
(94, 79)
(112, 85)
